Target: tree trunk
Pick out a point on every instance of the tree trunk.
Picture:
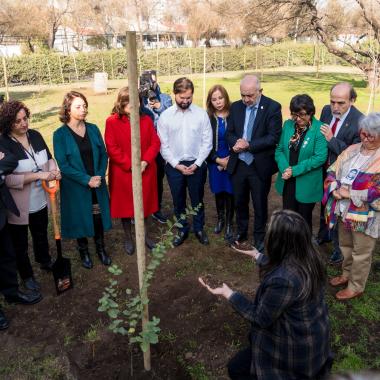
(30, 45)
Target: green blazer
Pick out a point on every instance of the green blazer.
(76, 198)
(309, 170)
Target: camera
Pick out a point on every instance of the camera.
(148, 85)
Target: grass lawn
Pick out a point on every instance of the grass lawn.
(355, 324)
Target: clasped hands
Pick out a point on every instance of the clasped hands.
(95, 181)
(241, 145)
(341, 193)
(287, 173)
(186, 170)
(51, 175)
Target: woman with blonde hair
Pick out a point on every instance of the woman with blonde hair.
(118, 142)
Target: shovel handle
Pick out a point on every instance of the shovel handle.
(52, 190)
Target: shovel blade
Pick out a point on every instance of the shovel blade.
(62, 275)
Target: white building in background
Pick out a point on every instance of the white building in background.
(10, 50)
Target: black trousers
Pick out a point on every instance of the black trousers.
(240, 365)
(289, 202)
(246, 182)
(160, 162)
(38, 223)
(195, 184)
(8, 268)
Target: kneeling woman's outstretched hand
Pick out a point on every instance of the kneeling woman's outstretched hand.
(224, 290)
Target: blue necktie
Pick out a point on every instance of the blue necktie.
(247, 157)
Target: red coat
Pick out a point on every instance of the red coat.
(118, 142)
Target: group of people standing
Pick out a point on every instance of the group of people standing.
(241, 145)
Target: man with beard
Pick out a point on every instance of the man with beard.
(186, 141)
(253, 132)
(341, 120)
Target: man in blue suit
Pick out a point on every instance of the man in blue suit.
(341, 120)
(253, 130)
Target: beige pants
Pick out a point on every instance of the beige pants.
(357, 249)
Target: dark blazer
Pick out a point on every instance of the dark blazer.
(266, 134)
(348, 133)
(7, 165)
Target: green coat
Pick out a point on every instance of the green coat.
(76, 198)
(309, 170)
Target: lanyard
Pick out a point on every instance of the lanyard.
(29, 153)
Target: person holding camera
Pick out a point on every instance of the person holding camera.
(35, 164)
(153, 104)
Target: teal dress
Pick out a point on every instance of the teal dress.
(75, 194)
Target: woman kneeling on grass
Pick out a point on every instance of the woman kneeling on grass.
(290, 329)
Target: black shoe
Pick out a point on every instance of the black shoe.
(229, 233)
(104, 258)
(240, 237)
(24, 298)
(149, 243)
(48, 266)
(219, 226)
(202, 237)
(129, 247)
(4, 323)
(336, 258)
(160, 217)
(180, 238)
(321, 241)
(86, 260)
(31, 284)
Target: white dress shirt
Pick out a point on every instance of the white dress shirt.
(340, 122)
(185, 135)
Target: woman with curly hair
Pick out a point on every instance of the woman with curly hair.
(35, 164)
(82, 158)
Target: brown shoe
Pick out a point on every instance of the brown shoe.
(347, 294)
(338, 281)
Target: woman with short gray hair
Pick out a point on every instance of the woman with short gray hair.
(352, 198)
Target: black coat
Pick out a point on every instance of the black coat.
(7, 165)
(348, 133)
(266, 134)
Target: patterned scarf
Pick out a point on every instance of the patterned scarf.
(297, 136)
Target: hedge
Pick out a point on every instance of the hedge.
(57, 68)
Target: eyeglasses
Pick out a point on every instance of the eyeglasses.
(365, 135)
(296, 115)
(19, 121)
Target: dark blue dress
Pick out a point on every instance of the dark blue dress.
(220, 180)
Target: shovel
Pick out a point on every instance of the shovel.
(62, 267)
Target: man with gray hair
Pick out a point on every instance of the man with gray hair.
(253, 130)
(341, 120)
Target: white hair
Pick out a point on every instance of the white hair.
(371, 123)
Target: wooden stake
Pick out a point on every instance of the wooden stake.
(61, 69)
(136, 174)
(76, 68)
(5, 79)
